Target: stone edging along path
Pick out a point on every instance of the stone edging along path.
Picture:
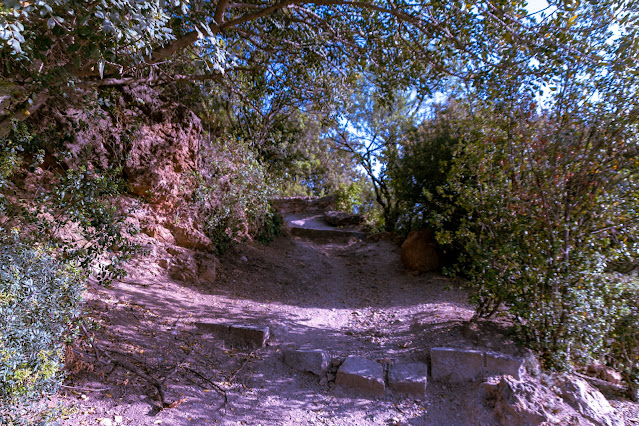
(372, 377)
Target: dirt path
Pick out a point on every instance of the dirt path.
(348, 298)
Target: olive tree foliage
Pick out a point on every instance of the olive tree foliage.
(300, 47)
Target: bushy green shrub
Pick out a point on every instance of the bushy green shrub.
(624, 338)
(548, 212)
(271, 226)
(39, 302)
(49, 245)
(423, 166)
(537, 209)
(81, 221)
(232, 193)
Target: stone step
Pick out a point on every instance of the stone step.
(326, 234)
(237, 334)
(408, 379)
(459, 365)
(314, 361)
(361, 374)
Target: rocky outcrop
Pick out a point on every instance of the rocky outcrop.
(566, 400)
(155, 141)
(159, 233)
(604, 373)
(588, 401)
(164, 151)
(418, 252)
(188, 236)
(190, 266)
(526, 403)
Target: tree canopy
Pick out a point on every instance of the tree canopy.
(301, 50)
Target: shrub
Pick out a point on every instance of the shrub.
(84, 225)
(58, 239)
(423, 166)
(232, 193)
(624, 350)
(271, 226)
(537, 210)
(39, 302)
(545, 208)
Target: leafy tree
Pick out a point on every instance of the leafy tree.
(423, 164)
(300, 48)
(539, 197)
(372, 131)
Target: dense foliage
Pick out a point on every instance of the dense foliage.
(537, 202)
(538, 211)
(232, 194)
(39, 302)
(50, 243)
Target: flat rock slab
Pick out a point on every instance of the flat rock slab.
(219, 329)
(361, 374)
(409, 379)
(459, 365)
(456, 365)
(503, 365)
(248, 335)
(237, 334)
(311, 360)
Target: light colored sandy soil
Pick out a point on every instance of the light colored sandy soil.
(349, 298)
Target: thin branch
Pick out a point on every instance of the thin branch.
(85, 389)
(215, 386)
(220, 10)
(148, 80)
(248, 358)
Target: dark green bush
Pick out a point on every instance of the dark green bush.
(423, 166)
(271, 226)
(49, 245)
(39, 304)
(537, 209)
(624, 350)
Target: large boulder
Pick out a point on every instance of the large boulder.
(186, 235)
(190, 266)
(526, 403)
(588, 402)
(418, 252)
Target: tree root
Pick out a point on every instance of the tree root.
(116, 362)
